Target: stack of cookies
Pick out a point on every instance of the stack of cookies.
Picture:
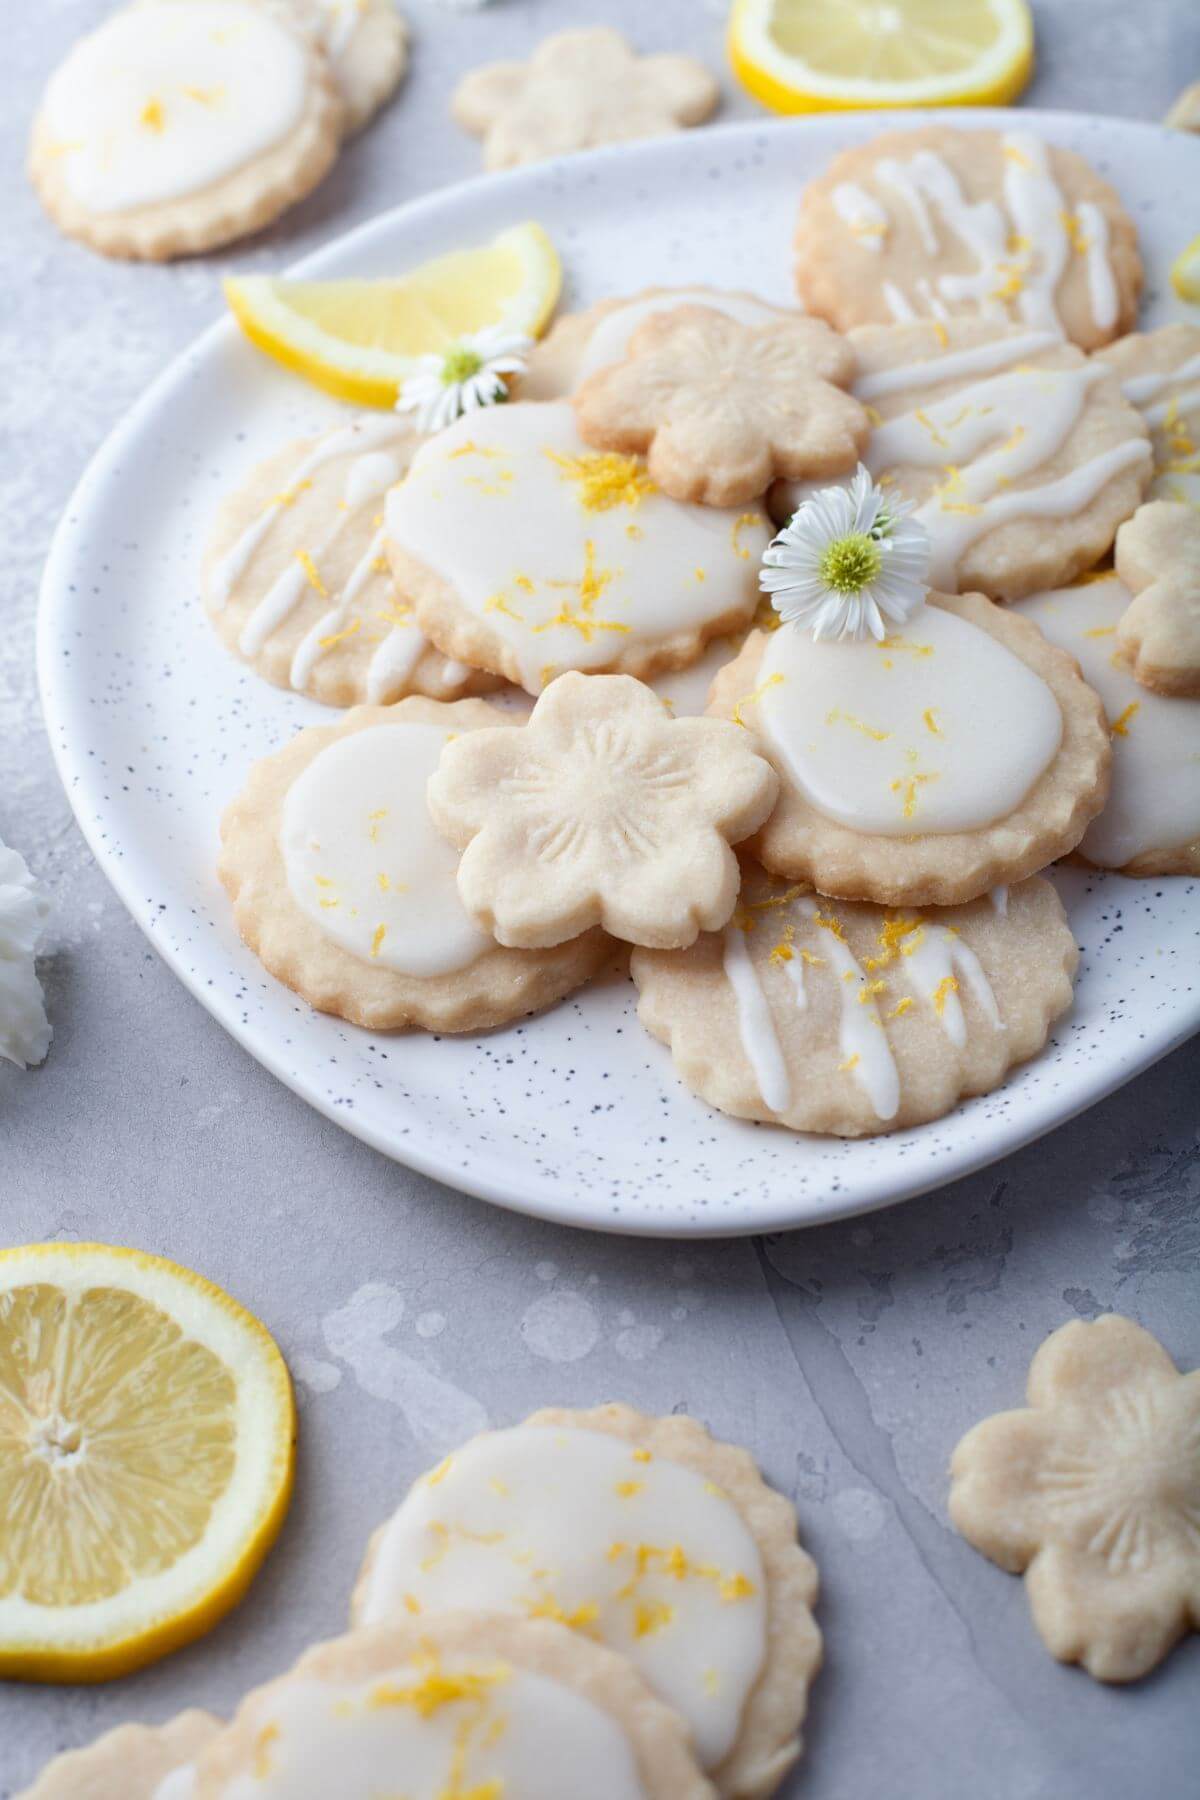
(813, 781)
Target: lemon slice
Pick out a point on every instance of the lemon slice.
(829, 55)
(147, 1436)
(1185, 272)
(359, 339)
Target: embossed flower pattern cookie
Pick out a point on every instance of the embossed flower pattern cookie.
(1159, 373)
(580, 89)
(1158, 559)
(134, 1762)
(722, 409)
(602, 810)
(1093, 1493)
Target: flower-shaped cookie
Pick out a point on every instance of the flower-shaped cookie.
(578, 89)
(1158, 559)
(1094, 1491)
(722, 409)
(603, 810)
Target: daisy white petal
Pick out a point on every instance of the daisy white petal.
(469, 374)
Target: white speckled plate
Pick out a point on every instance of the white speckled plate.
(576, 1116)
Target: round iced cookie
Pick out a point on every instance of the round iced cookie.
(344, 890)
(296, 581)
(1159, 373)
(646, 1534)
(176, 127)
(839, 1017)
(134, 1762)
(579, 344)
(1021, 455)
(962, 752)
(525, 552)
(366, 42)
(939, 222)
(465, 1706)
(1151, 822)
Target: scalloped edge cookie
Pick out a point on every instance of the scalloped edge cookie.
(128, 1763)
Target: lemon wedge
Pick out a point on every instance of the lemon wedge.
(359, 339)
(831, 55)
(1185, 273)
(147, 1437)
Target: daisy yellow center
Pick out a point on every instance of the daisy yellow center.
(459, 365)
(850, 564)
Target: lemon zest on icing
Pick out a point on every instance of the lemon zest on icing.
(753, 698)
(604, 479)
(835, 716)
(946, 986)
(310, 569)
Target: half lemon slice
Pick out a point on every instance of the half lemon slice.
(147, 1440)
(360, 339)
(1185, 272)
(831, 55)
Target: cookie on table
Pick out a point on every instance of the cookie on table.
(721, 409)
(580, 89)
(1159, 373)
(366, 42)
(134, 1762)
(177, 127)
(645, 1534)
(1158, 559)
(1151, 821)
(1021, 454)
(842, 1018)
(525, 552)
(296, 581)
(961, 752)
(940, 222)
(345, 891)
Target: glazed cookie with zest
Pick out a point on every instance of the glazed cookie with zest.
(1158, 559)
(296, 581)
(366, 42)
(602, 810)
(645, 1534)
(1151, 821)
(1159, 372)
(134, 1762)
(844, 1018)
(526, 552)
(179, 126)
(345, 891)
(938, 222)
(721, 409)
(1021, 454)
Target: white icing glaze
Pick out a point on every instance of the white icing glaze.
(862, 1040)
(438, 1729)
(1037, 206)
(1139, 389)
(951, 365)
(496, 507)
(760, 1040)
(900, 308)
(393, 663)
(979, 225)
(917, 734)
(638, 1551)
(998, 896)
(934, 959)
(180, 1784)
(610, 339)
(24, 1028)
(363, 860)
(862, 212)
(1154, 800)
(162, 101)
(1102, 282)
(1169, 401)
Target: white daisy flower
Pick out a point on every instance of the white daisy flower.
(470, 374)
(849, 563)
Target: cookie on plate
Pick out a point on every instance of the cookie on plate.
(1160, 375)
(842, 1018)
(1158, 559)
(939, 222)
(342, 887)
(526, 552)
(1151, 821)
(960, 752)
(177, 127)
(646, 1534)
(297, 583)
(1022, 455)
(366, 42)
(134, 1762)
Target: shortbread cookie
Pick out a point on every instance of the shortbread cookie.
(1092, 1492)
(1160, 375)
(134, 1762)
(525, 552)
(580, 343)
(940, 222)
(296, 580)
(580, 89)
(366, 42)
(1151, 821)
(722, 409)
(1158, 559)
(176, 127)
(643, 1533)
(923, 770)
(344, 890)
(842, 1018)
(602, 810)
(1022, 455)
